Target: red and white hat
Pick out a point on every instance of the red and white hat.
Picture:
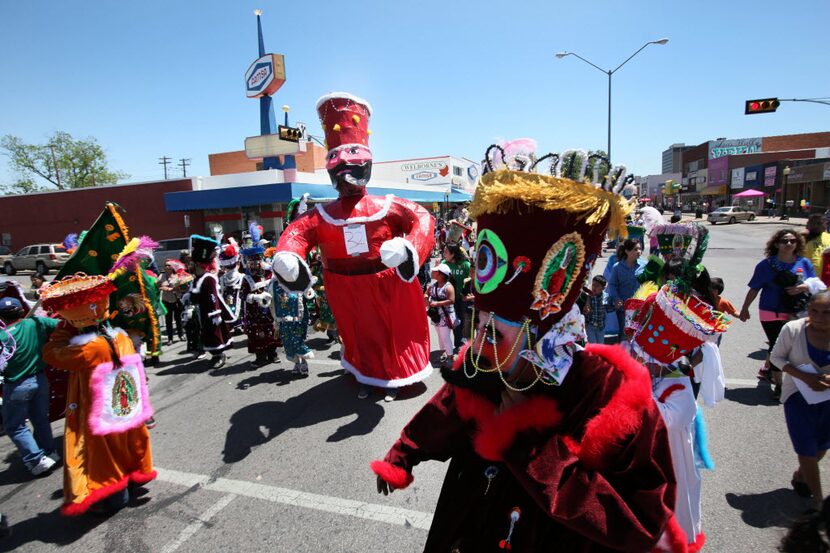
(345, 120)
(669, 325)
(229, 255)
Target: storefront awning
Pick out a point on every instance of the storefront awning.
(714, 191)
(246, 196)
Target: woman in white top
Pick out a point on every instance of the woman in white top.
(802, 350)
(441, 300)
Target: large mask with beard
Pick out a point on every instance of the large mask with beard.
(539, 234)
(345, 121)
(350, 168)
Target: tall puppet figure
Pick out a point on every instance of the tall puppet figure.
(372, 247)
(552, 447)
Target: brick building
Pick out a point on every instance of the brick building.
(49, 216)
(229, 163)
(714, 170)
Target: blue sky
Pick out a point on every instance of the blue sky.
(155, 77)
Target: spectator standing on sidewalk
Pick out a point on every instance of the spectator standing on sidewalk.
(26, 388)
(595, 310)
(623, 282)
(780, 279)
(816, 240)
(459, 265)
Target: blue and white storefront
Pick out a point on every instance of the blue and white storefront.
(232, 201)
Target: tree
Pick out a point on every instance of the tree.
(62, 162)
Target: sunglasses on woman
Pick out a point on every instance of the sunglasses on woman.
(788, 241)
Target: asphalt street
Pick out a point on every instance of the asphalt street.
(260, 460)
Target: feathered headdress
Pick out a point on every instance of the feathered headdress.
(255, 232)
(136, 251)
(70, 242)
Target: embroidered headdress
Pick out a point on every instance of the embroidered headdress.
(82, 300)
(539, 234)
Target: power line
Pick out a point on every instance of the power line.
(165, 161)
(183, 163)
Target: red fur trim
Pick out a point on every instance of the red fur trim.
(618, 419)
(497, 432)
(459, 359)
(669, 391)
(622, 415)
(698, 544)
(396, 476)
(673, 539)
(472, 406)
(76, 509)
(571, 444)
(141, 478)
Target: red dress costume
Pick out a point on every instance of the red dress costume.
(371, 249)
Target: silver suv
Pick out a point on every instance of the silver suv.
(170, 249)
(39, 257)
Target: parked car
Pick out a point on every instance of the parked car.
(170, 249)
(6, 253)
(38, 257)
(731, 214)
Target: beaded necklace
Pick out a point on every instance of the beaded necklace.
(498, 365)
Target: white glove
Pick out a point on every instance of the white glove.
(393, 252)
(217, 320)
(249, 298)
(287, 266)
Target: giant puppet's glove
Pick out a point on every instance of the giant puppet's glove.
(292, 272)
(400, 254)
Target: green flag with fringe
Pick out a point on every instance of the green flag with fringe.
(135, 305)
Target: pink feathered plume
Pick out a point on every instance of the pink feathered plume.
(130, 261)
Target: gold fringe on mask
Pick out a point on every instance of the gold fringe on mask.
(503, 191)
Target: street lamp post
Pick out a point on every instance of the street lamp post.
(610, 73)
(786, 173)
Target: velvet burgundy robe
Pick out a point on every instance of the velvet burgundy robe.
(204, 293)
(587, 464)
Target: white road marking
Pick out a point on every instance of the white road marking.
(285, 496)
(742, 382)
(197, 524)
(324, 362)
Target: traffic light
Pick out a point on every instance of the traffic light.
(764, 105)
(290, 134)
(671, 187)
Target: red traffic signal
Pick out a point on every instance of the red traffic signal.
(765, 105)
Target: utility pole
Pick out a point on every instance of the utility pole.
(55, 166)
(165, 161)
(183, 163)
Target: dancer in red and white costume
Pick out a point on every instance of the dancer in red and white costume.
(372, 248)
